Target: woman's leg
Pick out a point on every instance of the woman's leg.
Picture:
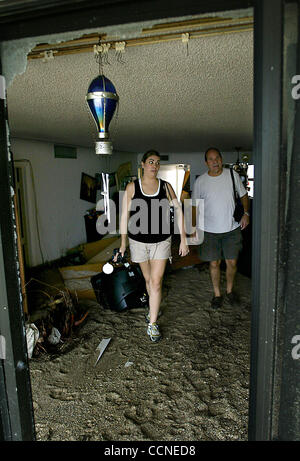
(145, 268)
(157, 269)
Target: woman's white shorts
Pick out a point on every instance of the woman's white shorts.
(141, 252)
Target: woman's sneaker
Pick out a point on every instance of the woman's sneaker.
(153, 332)
(147, 316)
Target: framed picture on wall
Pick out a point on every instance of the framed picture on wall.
(88, 188)
(123, 171)
(112, 180)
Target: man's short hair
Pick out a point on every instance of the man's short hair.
(212, 148)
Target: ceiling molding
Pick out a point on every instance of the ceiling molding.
(196, 28)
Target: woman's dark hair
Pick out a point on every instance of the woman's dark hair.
(212, 148)
(149, 153)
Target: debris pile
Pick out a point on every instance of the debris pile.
(53, 319)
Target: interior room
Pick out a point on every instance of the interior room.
(198, 76)
(183, 84)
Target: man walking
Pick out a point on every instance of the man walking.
(222, 234)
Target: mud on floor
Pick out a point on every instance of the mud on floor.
(192, 385)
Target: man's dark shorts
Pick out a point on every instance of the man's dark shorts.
(226, 245)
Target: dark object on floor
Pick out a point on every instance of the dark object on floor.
(123, 289)
(216, 302)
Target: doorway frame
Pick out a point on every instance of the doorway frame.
(267, 151)
(33, 252)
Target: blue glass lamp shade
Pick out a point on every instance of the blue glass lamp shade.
(102, 100)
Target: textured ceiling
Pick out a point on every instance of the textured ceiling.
(169, 100)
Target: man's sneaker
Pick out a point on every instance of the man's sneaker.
(216, 302)
(153, 332)
(147, 316)
(232, 299)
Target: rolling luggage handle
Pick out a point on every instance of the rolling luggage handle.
(109, 266)
(120, 259)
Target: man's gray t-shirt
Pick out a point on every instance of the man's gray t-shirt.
(218, 200)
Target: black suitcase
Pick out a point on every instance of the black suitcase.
(124, 288)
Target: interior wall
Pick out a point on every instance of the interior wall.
(56, 212)
(60, 211)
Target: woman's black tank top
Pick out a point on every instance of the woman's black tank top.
(149, 218)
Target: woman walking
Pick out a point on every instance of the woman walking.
(148, 228)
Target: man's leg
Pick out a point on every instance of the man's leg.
(210, 250)
(214, 268)
(231, 268)
(232, 245)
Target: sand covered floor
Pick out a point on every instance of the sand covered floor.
(193, 385)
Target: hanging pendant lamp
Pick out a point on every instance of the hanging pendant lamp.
(102, 100)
